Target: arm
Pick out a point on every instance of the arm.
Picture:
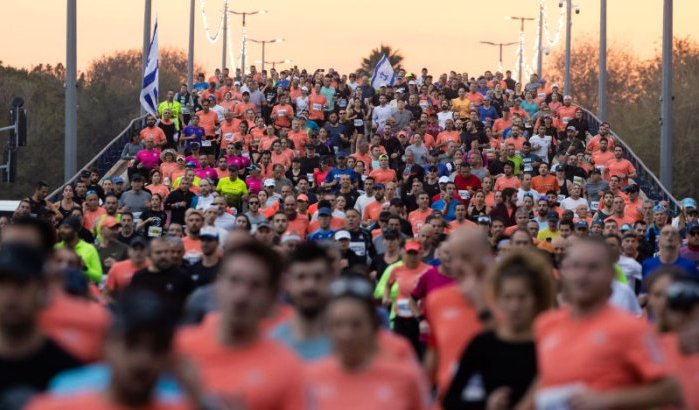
(467, 367)
(93, 265)
(660, 393)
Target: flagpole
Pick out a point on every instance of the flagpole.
(146, 40)
(70, 156)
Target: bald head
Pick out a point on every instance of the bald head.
(469, 251)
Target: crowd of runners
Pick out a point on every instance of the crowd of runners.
(298, 239)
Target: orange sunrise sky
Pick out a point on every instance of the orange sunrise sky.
(439, 34)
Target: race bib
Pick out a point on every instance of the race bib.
(228, 137)
(556, 398)
(309, 177)
(403, 308)
(565, 120)
(541, 95)
(281, 113)
(358, 122)
(464, 194)
(560, 198)
(317, 107)
(358, 248)
(155, 231)
(594, 205)
(206, 143)
(528, 168)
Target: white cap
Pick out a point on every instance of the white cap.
(209, 232)
(269, 182)
(412, 82)
(342, 235)
(304, 88)
(443, 179)
(236, 83)
(288, 237)
(567, 97)
(210, 208)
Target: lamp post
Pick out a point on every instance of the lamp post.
(500, 46)
(666, 100)
(569, 25)
(245, 35)
(70, 158)
(521, 41)
(602, 89)
(190, 56)
(265, 42)
(274, 63)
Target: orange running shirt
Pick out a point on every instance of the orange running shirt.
(417, 219)
(383, 176)
(383, 384)
(265, 375)
(96, 401)
(610, 349)
(511, 182)
(406, 279)
(453, 323)
(120, 274)
(543, 184)
(208, 121)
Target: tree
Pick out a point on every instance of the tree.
(634, 89)
(107, 100)
(368, 63)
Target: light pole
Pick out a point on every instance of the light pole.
(190, 56)
(569, 25)
(70, 157)
(521, 41)
(540, 49)
(274, 63)
(245, 34)
(265, 42)
(602, 90)
(666, 100)
(146, 41)
(500, 45)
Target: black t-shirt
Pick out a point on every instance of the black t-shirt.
(309, 164)
(156, 227)
(431, 189)
(29, 375)
(201, 275)
(498, 363)
(173, 284)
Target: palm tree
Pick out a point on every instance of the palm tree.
(368, 63)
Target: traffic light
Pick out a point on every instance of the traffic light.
(18, 117)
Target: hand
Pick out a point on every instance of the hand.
(424, 327)
(498, 399)
(588, 401)
(109, 262)
(386, 301)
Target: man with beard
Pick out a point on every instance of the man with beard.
(162, 277)
(28, 360)
(309, 275)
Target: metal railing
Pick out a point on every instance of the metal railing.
(107, 157)
(646, 180)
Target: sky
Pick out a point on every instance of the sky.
(439, 34)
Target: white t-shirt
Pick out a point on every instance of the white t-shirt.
(543, 143)
(572, 204)
(521, 193)
(631, 268)
(442, 118)
(624, 298)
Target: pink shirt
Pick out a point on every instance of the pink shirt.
(149, 158)
(254, 184)
(429, 281)
(207, 172)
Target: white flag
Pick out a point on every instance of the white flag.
(383, 74)
(149, 91)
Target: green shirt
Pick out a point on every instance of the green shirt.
(90, 257)
(518, 161)
(175, 109)
(233, 191)
(378, 292)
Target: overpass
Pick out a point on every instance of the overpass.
(109, 163)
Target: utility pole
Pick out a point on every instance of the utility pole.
(566, 84)
(521, 42)
(264, 43)
(70, 155)
(602, 98)
(245, 33)
(500, 46)
(540, 51)
(190, 56)
(666, 100)
(146, 42)
(225, 34)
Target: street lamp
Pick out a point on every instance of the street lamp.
(274, 63)
(245, 33)
(569, 24)
(500, 45)
(264, 42)
(521, 40)
(666, 100)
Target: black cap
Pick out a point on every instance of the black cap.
(138, 241)
(73, 222)
(21, 262)
(85, 174)
(140, 310)
(390, 235)
(396, 202)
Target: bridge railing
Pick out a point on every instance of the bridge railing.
(107, 157)
(646, 179)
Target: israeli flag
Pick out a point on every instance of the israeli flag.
(383, 74)
(149, 91)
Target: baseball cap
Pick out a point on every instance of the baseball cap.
(552, 216)
(570, 127)
(484, 220)
(625, 228)
(118, 180)
(85, 174)
(598, 222)
(138, 241)
(304, 88)
(233, 167)
(596, 171)
(383, 156)
(180, 158)
(191, 164)
(689, 203)
(567, 97)
(658, 209)
(288, 237)
(21, 262)
(379, 185)
(73, 222)
(208, 232)
(302, 197)
(343, 234)
(325, 212)
(236, 83)
(396, 202)
(195, 145)
(110, 222)
(693, 227)
(443, 179)
(141, 310)
(412, 82)
(412, 246)
(269, 182)
(390, 235)
(581, 224)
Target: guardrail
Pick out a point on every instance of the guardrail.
(646, 180)
(107, 157)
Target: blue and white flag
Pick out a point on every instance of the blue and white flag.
(383, 74)
(149, 91)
